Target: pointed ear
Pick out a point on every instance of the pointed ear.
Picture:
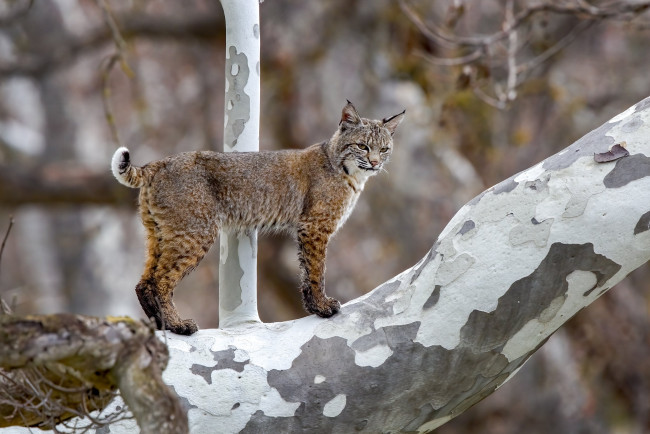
(349, 115)
(392, 122)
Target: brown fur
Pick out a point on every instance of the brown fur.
(186, 198)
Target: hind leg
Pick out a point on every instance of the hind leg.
(177, 258)
(171, 255)
(146, 289)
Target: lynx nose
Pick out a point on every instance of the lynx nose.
(374, 163)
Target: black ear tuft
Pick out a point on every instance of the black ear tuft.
(349, 115)
(392, 122)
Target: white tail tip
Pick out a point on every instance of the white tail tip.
(120, 164)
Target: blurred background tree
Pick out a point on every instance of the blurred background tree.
(490, 88)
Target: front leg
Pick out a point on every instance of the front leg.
(312, 249)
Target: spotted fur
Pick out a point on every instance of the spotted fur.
(186, 198)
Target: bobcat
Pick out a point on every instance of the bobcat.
(186, 198)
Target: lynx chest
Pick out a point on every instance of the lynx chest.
(354, 189)
(347, 210)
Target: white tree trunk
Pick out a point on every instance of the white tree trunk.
(511, 267)
(238, 254)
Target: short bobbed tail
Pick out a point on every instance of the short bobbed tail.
(125, 172)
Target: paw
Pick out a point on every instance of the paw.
(327, 308)
(186, 327)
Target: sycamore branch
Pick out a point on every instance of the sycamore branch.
(511, 267)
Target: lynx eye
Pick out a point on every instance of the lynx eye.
(363, 147)
(384, 150)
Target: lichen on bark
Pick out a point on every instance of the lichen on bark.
(57, 367)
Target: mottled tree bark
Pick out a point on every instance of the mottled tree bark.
(511, 267)
(56, 367)
(238, 252)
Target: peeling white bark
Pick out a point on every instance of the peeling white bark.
(238, 260)
(511, 267)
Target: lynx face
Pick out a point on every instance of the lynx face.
(364, 145)
(368, 156)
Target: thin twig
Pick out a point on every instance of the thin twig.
(60, 388)
(557, 47)
(36, 397)
(4, 241)
(511, 84)
(110, 20)
(4, 308)
(582, 11)
(494, 102)
(120, 42)
(453, 61)
(120, 55)
(424, 28)
(106, 97)
(503, 49)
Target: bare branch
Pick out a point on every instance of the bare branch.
(559, 46)
(58, 184)
(16, 14)
(503, 49)
(106, 97)
(480, 93)
(434, 34)
(120, 43)
(194, 26)
(118, 39)
(511, 92)
(454, 61)
(619, 11)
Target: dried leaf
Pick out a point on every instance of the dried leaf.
(617, 151)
